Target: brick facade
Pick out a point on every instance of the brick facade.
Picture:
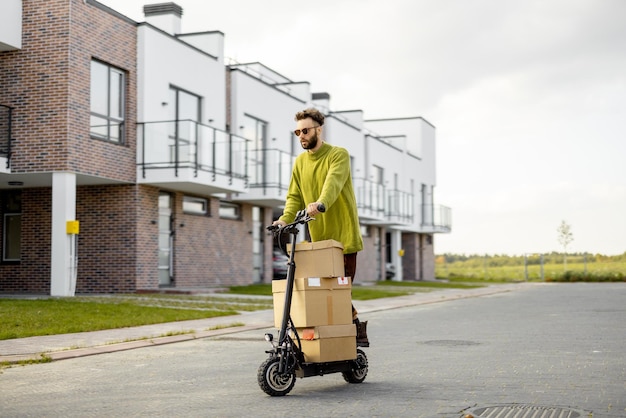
(32, 273)
(47, 83)
(210, 251)
(418, 262)
(369, 268)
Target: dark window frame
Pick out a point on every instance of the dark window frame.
(236, 207)
(111, 121)
(194, 200)
(11, 209)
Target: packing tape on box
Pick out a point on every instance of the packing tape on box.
(329, 307)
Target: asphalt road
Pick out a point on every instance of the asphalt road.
(543, 347)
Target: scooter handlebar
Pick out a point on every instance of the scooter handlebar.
(321, 207)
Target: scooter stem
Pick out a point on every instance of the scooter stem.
(291, 272)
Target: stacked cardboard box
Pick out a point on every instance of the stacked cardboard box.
(315, 301)
(321, 304)
(328, 343)
(319, 259)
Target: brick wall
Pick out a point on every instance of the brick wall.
(369, 268)
(147, 206)
(48, 82)
(411, 258)
(108, 240)
(418, 262)
(210, 251)
(32, 273)
(428, 257)
(95, 33)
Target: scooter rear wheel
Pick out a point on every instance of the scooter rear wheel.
(271, 381)
(359, 370)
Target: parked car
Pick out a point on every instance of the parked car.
(279, 262)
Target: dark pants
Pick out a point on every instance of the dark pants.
(349, 261)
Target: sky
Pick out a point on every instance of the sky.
(528, 99)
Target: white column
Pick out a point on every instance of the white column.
(396, 245)
(63, 210)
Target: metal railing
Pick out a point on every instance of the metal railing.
(370, 197)
(6, 119)
(188, 144)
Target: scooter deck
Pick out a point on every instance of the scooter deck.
(320, 369)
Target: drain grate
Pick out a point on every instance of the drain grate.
(523, 411)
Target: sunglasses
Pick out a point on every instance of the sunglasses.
(304, 130)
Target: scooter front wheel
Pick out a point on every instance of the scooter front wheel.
(271, 381)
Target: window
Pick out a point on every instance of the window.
(195, 205)
(378, 175)
(12, 226)
(256, 131)
(184, 109)
(229, 210)
(107, 102)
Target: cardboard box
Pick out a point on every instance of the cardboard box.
(328, 343)
(315, 301)
(319, 259)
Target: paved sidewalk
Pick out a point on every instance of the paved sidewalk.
(64, 346)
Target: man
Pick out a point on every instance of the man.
(322, 175)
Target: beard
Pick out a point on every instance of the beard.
(311, 142)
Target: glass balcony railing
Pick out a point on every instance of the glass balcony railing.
(269, 169)
(437, 216)
(188, 144)
(370, 197)
(400, 206)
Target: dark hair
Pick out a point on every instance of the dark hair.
(312, 113)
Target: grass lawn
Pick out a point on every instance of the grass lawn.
(20, 318)
(383, 289)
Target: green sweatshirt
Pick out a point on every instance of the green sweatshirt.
(324, 176)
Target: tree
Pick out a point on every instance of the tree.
(565, 238)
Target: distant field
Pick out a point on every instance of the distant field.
(574, 271)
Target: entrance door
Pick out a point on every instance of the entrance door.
(166, 239)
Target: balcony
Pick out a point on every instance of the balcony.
(269, 173)
(5, 138)
(436, 218)
(400, 207)
(370, 201)
(190, 157)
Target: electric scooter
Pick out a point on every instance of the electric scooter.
(277, 374)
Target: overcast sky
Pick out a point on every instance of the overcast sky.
(528, 98)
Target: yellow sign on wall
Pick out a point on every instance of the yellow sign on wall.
(72, 227)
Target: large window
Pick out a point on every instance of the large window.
(184, 108)
(107, 102)
(12, 226)
(256, 131)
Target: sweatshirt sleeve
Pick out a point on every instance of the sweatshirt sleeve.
(338, 174)
(293, 201)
